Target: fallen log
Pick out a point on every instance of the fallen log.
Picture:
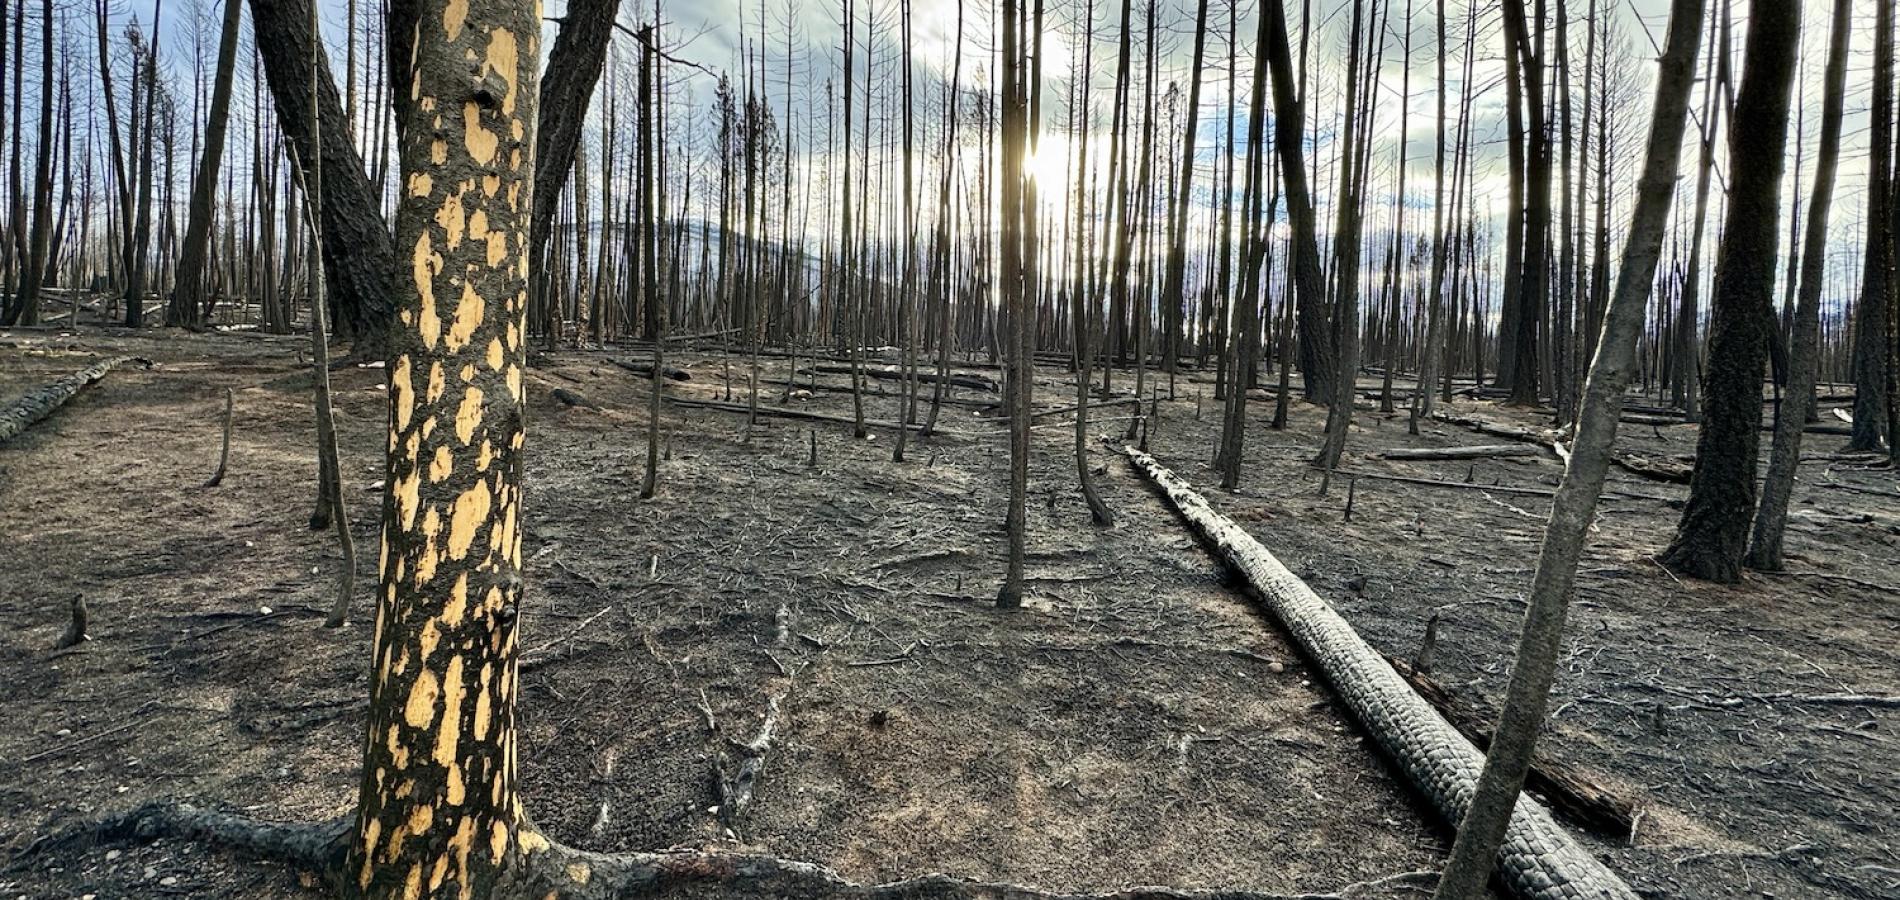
(784, 412)
(40, 402)
(1483, 451)
(1580, 795)
(645, 370)
(955, 379)
(1538, 859)
(1435, 482)
(1655, 470)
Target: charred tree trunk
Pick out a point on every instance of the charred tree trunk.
(438, 802)
(1713, 532)
(188, 295)
(1289, 136)
(1764, 551)
(359, 260)
(574, 64)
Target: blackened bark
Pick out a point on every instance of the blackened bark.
(1289, 135)
(1764, 551)
(1713, 532)
(574, 64)
(1877, 278)
(187, 302)
(358, 256)
(438, 812)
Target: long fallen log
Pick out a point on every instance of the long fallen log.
(40, 402)
(1482, 451)
(1582, 796)
(1538, 860)
(1635, 464)
(955, 379)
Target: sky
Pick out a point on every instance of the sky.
(715, 33)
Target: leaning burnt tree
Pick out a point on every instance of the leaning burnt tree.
(1494, 800)
(358, 261)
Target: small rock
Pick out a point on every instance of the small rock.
(264, 610)
(63, 732)
(1276, 668)
(168, 880)
(114, 854)
(151, 872)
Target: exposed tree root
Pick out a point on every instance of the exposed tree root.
(539, 868)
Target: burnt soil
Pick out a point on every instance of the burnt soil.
(1137, 723)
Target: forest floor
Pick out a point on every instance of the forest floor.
(1137, 723)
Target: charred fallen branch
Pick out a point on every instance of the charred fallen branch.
(737, 780)
(42, 401)
(1538, 859)
(645, 370)
(1655, 470)
(1482, 451)
(954, 379)
(768, 412)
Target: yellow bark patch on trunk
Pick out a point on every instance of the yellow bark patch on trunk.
(453, 18)
(419, 712)
(449, 735)
(403, 390)
(484, 712)
(442, 466)
(481, 143)
(469, 515)
(457, 607)
(504, 59)
(424, 264)
(468, 317)
(468, 416)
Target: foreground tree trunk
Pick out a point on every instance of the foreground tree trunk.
(1482, 830)
(1764, 551)
(1713, 532)
(1016, 217)
(438, 810)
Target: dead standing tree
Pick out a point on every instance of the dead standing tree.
(1771, 515)
(1713, 532)
(188, 300)
(1017, 216)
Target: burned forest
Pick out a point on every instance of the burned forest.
(950, 449)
